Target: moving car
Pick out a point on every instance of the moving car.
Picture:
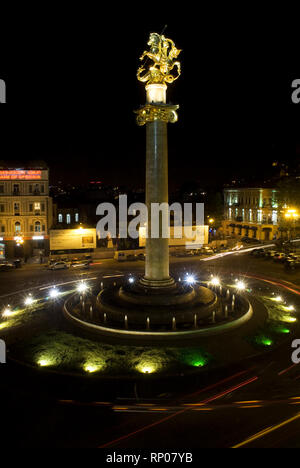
(84, 265)
(58, 266)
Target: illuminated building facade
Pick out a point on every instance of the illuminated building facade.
(25, 211)
(251, 212)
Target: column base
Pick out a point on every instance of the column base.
(157, 284)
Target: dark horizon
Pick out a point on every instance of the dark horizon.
(71, 104)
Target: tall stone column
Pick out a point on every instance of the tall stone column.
(156, 114)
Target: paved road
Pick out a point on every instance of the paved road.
(253, 404)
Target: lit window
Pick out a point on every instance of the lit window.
(68, 218)
(17, 227)
(259, 215)
(60, 218)
(76, 217)
(37, 206)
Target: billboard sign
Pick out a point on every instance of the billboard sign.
(18, 174)
(67, 239)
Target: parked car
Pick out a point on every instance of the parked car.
(247, 240)
(291, 264)
(131, 257)
(120, 256)
(6, 266)
(207, 250)
(279, 257)
(257, 252)
(269, 254)
(58, 266)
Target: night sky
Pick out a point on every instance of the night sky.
(72, 88)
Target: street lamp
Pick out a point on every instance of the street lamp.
(292, 215)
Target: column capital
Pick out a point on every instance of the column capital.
(151, 112)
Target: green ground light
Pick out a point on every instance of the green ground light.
(262, 340)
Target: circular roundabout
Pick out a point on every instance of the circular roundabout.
(250, 317)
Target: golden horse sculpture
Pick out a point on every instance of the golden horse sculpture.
(163, 54)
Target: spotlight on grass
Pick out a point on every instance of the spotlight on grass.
(199, 363)
(146, 368)
(91, 367)
(44, 362)
(288, 319)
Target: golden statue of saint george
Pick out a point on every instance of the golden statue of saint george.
(163, 55)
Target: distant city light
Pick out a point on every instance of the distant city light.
(131, 280)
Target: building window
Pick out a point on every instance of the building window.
(17, 208)
(1, 188)
(31, 227)
(43, 228)
(16, 189)
(1, 208)
(37, 226)
(30, 207)
(274, 217)
(76, 218)
(42, 188)
(43, 206)
(30, 188)
(60, 218)
(68, 218)
(259, 216)
(17, 227)
(37, 206)
(2, 228)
